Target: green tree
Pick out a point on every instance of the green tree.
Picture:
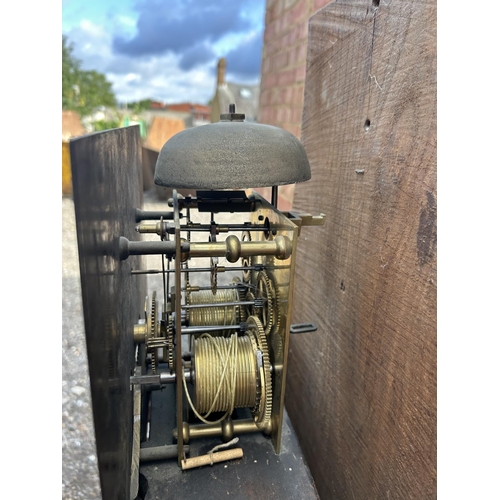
(70, 72)
(139, 106)
(83, 91)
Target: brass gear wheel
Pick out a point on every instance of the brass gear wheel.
(213, 276)
(270, 313)
(153, 329)
(262, 410)
(170, 344)
(250, 310)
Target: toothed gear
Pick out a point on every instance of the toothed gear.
(188, 286)
(270, 312)
(154, 332)
(170, 344)
(213, 275)
(250, 309)
(262, 414)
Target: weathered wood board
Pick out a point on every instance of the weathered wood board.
(107, 187)
(362, 390)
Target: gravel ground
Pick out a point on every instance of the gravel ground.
(80, 477)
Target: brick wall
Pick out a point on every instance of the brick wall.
(283, 71)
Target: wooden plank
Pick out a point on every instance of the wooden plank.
(368, 376)
(107, 187)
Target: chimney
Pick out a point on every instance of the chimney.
(221, 71)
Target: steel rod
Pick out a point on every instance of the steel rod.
(205, 329)
(160, 378)
(160, 452)
(141, 215)
(274, 196)
(220, 269)
(222, 304)
(197, 288)
(224, 227)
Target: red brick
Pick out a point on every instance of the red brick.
(294, 129)
(268, 17)
(280, 60)
(284, 205)
(285, 38)
(285, 194)
(269, 81)
(274, 45)
(320, 3)
(266, 65)
(290, 3)
(300, 74)
(302, 53)
(286, 77)
(265, 192)
(275, 97)
(296, 115)
(269, 48)
(296, 13)
(264, 113)
(288, 95)
(298, 95)
(274, 115)
(302, 30)
(265, 97)
(298, 54)
(274, 11)
(293, 56)
(279, 25)
(269, 31)
(284, 115)
(268, 115)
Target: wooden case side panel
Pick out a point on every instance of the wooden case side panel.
(107, 187)
(361, 391)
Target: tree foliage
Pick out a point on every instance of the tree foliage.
(82, 90)
(105, 124)
(139, 106)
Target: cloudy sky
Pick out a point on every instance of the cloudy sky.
(166, 49)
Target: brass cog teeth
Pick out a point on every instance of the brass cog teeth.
(258, 392)
(277, 316)
(154, 332)
(272, 321)
(170, 345)
(153, 315)
(153, 361)
(263, 415)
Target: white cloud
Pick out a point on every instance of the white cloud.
(158, 77)
(133, 79)
(130, 77)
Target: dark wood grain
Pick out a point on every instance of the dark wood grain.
(362, 390)
(107, 187)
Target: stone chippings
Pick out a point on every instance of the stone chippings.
(80, 477)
